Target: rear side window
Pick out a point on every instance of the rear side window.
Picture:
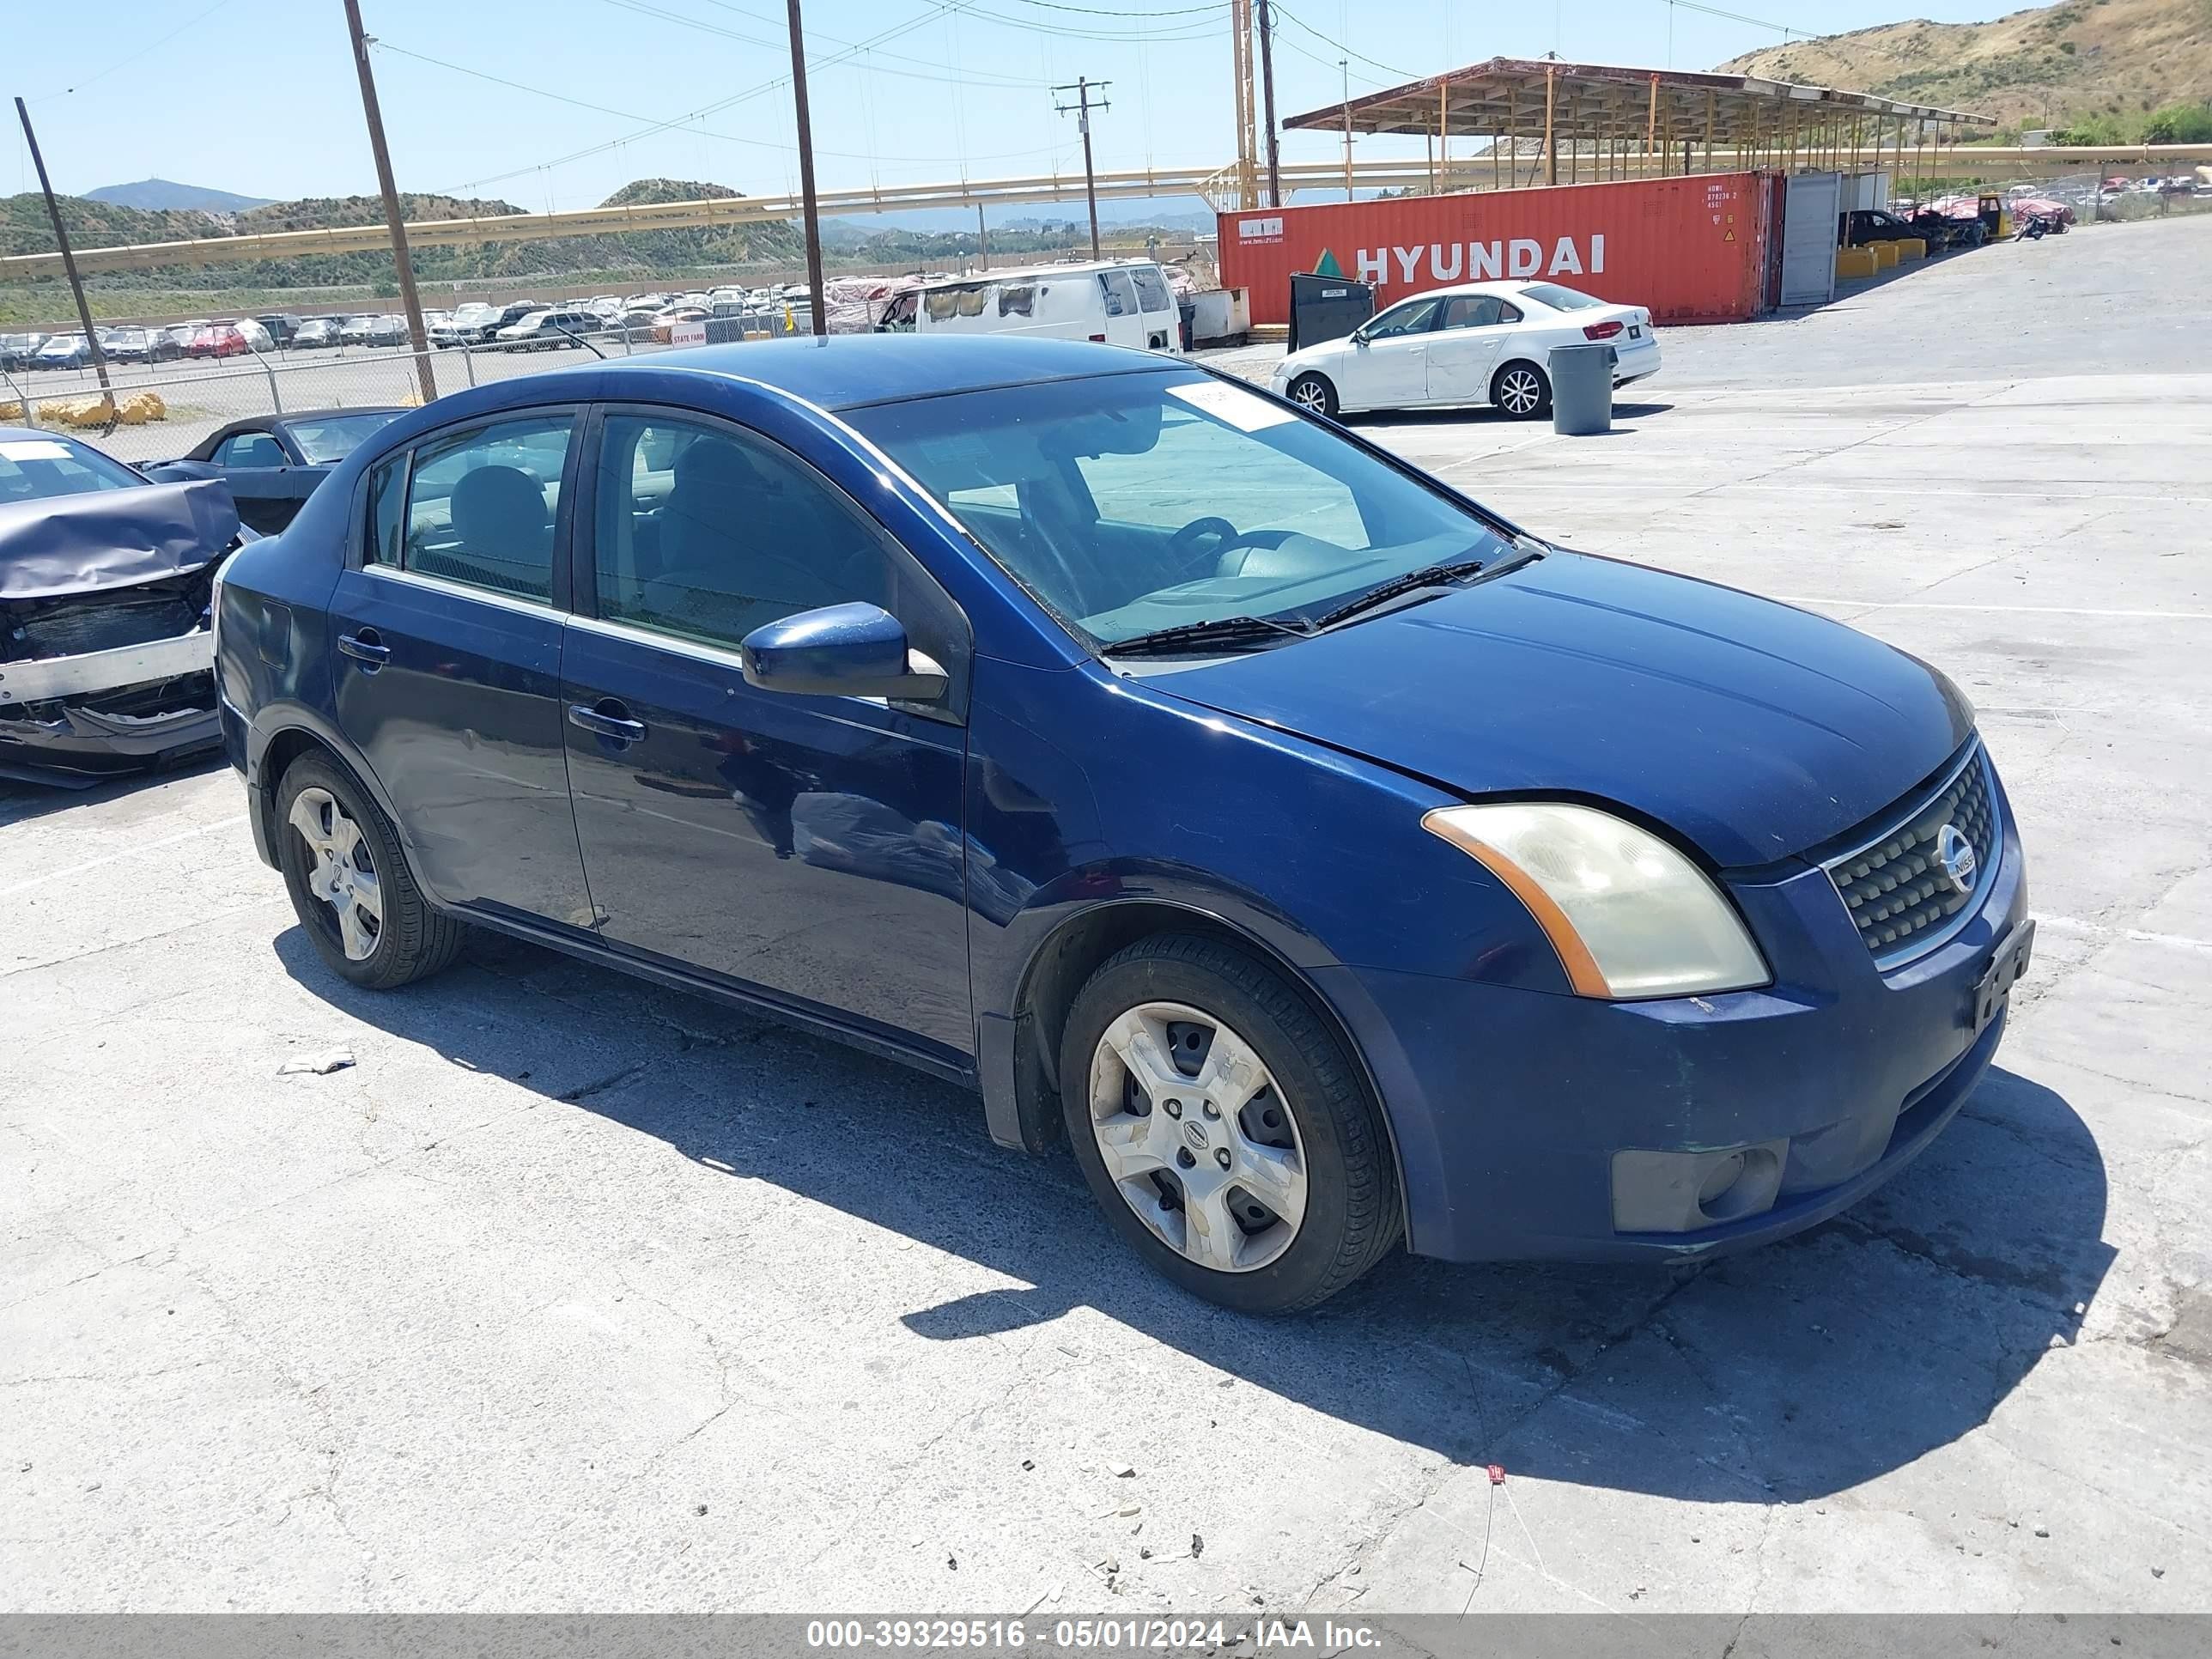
(1473, 311)
(1561, 299)
(1151, 288)
(1018, 300)
(1121, 292)
(481, 507)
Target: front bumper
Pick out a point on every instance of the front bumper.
(1510, 1109)
(48, 733)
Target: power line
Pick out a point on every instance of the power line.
(1327, 40)
(726, 137)
(198, 17)
(1738, 17)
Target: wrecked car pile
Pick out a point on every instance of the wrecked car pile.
(105, 578)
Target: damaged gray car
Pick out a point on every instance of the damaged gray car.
(105, 580)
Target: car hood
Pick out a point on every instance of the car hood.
(1314, 357)
(103, 539)
(1753, 729)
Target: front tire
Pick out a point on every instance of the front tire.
(1522, 392)
(350, 883)
(1224, 1128)
(1313, 394)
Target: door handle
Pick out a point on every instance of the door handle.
(607, 718)
(366, 648)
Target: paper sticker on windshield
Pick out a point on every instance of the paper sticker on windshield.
(1245, 410)
(34, 449)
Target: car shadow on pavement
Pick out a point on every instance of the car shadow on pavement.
(1786, 1373)
(1484, 417)
(23, 801)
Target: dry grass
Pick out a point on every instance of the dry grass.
(2040, 67)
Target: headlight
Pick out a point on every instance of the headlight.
(1628, 914)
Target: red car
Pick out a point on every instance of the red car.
(219, 340)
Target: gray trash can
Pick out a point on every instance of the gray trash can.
(1582, 389)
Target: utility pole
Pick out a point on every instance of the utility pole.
(68, 261)
(813, 208)
(397, 226)
(1344, 65)
(982, 240)
(1083, 88)
(1267, 97)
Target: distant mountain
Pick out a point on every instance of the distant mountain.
(159, 195)
(2049, 67)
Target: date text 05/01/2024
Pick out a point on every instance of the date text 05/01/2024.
(1089, 1635)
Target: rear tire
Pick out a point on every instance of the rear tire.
(350, 883)
(1286, 1112)
(1522, 392)
(1313, 394)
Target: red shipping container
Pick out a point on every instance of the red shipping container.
(1690, 249)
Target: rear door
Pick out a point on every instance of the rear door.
(1464, 348)
(1125, 317)
(1163, 323)
(810, 848)
(448, 630)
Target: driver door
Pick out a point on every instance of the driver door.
(1388, 368)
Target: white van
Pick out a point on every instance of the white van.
(1116, 302)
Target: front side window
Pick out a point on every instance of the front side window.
(1414, 317)
(481, 507)
(708, 534)
(1130, 503)
(249, 449)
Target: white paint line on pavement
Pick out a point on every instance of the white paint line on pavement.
(2134, 935)
(141, 848)
(2009, 609)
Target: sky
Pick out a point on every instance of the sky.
(554, 104)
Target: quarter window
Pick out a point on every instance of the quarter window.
(708, 534)
(481, 507)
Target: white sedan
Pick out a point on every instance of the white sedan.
(1476, 343)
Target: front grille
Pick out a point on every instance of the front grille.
(1898, 893)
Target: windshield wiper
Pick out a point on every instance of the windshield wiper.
(1433, 575)
(1225, 632)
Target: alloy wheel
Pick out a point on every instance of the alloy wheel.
(1200, 1142)
(1310, 395)
(344, 875)
(1519, 391)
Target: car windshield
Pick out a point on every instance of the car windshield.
(1130, 503)
(1561, 299)
(334, 438)
(33, 469)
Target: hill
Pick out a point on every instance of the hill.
(164, 193)
(2050, 67)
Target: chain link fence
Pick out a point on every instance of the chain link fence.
(160, 411)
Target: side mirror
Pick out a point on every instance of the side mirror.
(1359, 336)
(853, 650)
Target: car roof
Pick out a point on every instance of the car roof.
(846, 371)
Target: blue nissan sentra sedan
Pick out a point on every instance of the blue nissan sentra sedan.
(1334, 863)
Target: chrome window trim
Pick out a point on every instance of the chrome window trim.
(514, 602)
(1921, 944)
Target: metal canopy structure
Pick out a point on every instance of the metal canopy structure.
(1607, 120)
